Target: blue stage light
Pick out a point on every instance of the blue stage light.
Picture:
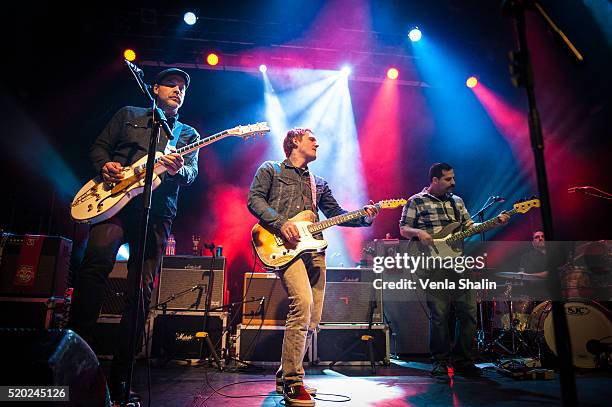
(414, 34)
(190, 18)
(263, 68)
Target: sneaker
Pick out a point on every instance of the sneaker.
(279, 386)
(439, 372)
(467, 370)
(297, 396)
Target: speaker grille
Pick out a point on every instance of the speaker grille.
(276, 307)
(179, 274)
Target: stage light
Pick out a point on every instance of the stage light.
(129, 54)
(263, 68)
(414, 34)
(190, 18)
(346, 70)
(212, 59)
(471, 82)
(392, 73)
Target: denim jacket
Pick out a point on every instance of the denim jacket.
(276, 195)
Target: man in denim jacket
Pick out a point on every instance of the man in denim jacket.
(281, 190)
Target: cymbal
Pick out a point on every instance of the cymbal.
(518, 276)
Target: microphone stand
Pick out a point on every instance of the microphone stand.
(480, 214)
(516, 9)
(158, 122)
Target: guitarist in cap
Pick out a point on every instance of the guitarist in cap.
(281, 190)
(425, 214)
(123, 141)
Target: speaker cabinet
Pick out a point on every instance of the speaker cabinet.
(33, 357)
(52, 266)
(174, 335)
(184, 281)
(332, 340)
(26, 312)
(262, 344)
(275, 306)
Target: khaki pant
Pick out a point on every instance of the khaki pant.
(304, 281)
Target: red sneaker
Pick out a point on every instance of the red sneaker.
(297, 396)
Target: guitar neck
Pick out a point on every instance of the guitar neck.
(482, 227)
(336, 220)
(202, 143)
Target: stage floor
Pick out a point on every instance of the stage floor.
(400, 384)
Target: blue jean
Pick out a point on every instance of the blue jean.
(439, 305)
(304, 281)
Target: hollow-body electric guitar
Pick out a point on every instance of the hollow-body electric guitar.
(277, 253)
(97, 200)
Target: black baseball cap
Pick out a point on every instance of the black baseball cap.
(173, 71)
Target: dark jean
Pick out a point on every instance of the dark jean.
(439, 305)
(105, 238)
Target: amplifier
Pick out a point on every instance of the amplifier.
(116, 289)
(276, 307)
(187, 279)
(332, 340)
(174, 335)
(52, 267)
(28, 312)
(262, 344)
(349, 294)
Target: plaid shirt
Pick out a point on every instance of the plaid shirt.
(429, 213)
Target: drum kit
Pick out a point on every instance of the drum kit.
(520, 326)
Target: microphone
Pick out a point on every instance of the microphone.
(498, 198)
(134, 68)
(196, 287)
(577, 189)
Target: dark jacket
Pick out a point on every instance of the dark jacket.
(276, 194)
(125, 139)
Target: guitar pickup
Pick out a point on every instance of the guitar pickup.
(279, 241)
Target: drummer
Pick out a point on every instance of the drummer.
(534, 261)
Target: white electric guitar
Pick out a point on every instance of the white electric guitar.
(99, 200)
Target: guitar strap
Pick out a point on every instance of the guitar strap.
(313, 191)
(455, 210)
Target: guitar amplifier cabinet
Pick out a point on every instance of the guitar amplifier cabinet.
(26, 312)
(332, 340)
(276, 307)
(181, 276)
(349, 294)
(174, 334)
(116, 289)
(52, 271)
(262, 344)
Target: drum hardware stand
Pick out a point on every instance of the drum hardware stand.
(518, 341)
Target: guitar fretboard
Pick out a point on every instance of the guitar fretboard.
(191, 147)
(483, 227)
(336, 220)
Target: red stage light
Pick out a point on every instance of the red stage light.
(392, 73)
(212, 59)
(129, 54)
(471, 82)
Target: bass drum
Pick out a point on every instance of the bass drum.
(586, 320)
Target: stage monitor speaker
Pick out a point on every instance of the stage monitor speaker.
(20, 259)
(33, 357)
(276, 305)
(263, 344)
(179, 274)
(332, 340)
(174, 335)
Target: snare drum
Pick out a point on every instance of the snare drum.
(521, 310)
(586, 320)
